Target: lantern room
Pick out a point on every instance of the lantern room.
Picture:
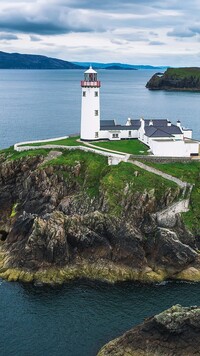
(90, 79)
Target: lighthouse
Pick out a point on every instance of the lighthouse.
(90, 107)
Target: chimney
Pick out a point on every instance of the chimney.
(128, 122)
(169, 123)
(142, 123)
(151, 123)
(178, 124)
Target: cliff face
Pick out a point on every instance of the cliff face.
(176, 79)
(55, 225)
(173, 332)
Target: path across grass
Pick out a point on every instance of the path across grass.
(134, 146)
(188, 172)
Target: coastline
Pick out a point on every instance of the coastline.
(103, 271)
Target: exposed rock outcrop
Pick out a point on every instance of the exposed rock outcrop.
(174, 332)
(56, 225)
(176, 79)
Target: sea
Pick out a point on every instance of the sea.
(78, 318)
(46, 104)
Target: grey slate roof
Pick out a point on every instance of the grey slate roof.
(136, 123)
(156, 132)
(107, 123)
(156, 122)
(110, 125)
(118, 127)
(162, 131)
(159, 128)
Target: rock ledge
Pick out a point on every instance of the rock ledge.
(174, 332)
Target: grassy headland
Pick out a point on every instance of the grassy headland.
(96, 175)
(176, 79)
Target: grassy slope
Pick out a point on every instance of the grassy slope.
(95, 174)
(11, 154)
(183, 72)
(134, 147)
(189, 172)
(128, 146)
(71, 141)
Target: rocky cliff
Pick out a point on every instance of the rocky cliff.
(174, 332)
(74, 216)
(176, 79)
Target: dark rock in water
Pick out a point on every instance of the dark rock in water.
(174, 332)
(176, 79)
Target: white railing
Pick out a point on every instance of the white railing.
(113, 159)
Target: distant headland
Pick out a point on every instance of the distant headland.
(32, 61)
(179, 79)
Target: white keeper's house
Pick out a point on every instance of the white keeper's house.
(163, 137)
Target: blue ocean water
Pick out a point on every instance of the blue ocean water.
(80, 317)
(44, 104)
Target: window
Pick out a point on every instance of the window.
(129, 134)
(115, 135)
(96, 112)
(96, 134)
(96, 93)
(84, 93)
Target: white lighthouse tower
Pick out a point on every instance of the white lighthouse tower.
(90, 109)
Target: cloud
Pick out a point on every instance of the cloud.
(123, 29)
(156, 43)
(195, 29)
(8, 37)
(53, 17)
(181, 32)
(34, 38)
(47, 19)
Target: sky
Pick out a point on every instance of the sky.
(156, 32)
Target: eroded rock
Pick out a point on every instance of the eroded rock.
(174, 332)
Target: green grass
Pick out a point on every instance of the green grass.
(119, 177)
(11, 154)
(71, 141)
(134, 146)
(118, 183)
(92, 166)
(96, 176)
(188, 172)
(183, 72)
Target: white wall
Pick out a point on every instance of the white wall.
(103, 134)
(125, 133)
(90, 123)
(187, 133)
(113, 158)
(173, 148)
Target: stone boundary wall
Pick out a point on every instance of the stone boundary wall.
(159, 159)
(113, 159)
(179, 182)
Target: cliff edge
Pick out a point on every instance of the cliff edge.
(174, 332)
(74, 216)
